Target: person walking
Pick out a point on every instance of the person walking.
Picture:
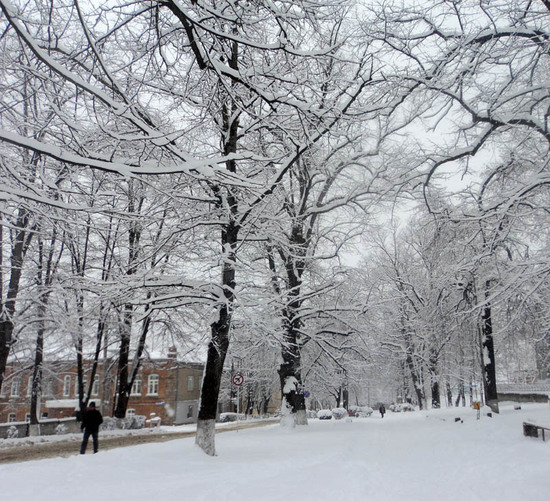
(382, 411)
(90, 425)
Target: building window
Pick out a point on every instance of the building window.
(190, 383)
(27, 417)
(15, 387)
(95, 386)
(153, 385)
(67, 386)
(136, 386)
(130, 412)
(11, 417)
(190, 411)
(29, 387)
(84, 385)
(44, 415)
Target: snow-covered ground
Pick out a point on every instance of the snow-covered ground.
(408, 456)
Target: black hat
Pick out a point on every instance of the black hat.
(92, 404)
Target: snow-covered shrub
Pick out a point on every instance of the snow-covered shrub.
(138, 422)
(339, 413)
(360, 411)
(401, 407)
(311, 414)
(12, 432)
(109, 423)
(61, 429)
(133, 422)
(407, 407)
(324, 414)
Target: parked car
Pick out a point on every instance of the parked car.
(324, 414)
(311, 414)
(229, 417)
(360, 411)
(339, 413)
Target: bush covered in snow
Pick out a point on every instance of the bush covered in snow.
(12, 432)
(401, 408)
(61, 429)
(360, 410)
(339, 413)
(128, 423)
(133, 422)
(324, 414)
(109, 423)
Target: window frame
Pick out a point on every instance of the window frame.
(137, 386)
(95, 386)
(153, 383)
(15, 389)
(67, 385)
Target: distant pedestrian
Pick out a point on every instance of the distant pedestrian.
(90, 425)
(382, 411)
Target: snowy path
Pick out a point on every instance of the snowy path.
(420, 456)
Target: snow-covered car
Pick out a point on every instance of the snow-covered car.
(360, 411)
(324, 414)
(339, 413)
(229, 417)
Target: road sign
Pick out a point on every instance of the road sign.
(238, 379)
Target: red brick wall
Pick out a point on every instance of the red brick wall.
(171, 388)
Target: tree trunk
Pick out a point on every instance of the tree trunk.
(293, 405)
(123, 390)
(45, 275)
(7, 313)
(460, 395)
(38, 361)
(219, 343)
(345, 398)
(417, 381)
(488, 356)
(79, 346)
(434, 380)
(449, 394)
(135, 203)
(217, 351)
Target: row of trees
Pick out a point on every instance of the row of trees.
(199, 170)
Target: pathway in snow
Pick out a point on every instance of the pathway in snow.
(419, 456)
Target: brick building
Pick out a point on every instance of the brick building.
(164, 388)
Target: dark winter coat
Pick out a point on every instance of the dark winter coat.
(91, 420)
